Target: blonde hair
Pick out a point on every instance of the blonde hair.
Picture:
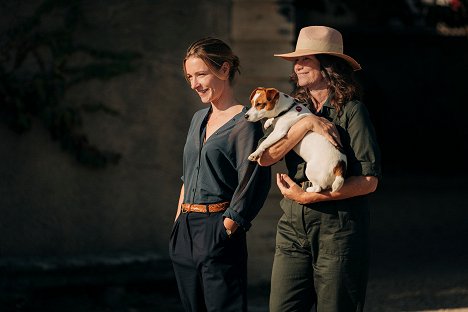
(214, 52)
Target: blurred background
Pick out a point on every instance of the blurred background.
(94, 111)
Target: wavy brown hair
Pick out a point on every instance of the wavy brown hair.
(214, 52)
(341, 82)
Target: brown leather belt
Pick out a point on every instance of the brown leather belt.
(205, 207)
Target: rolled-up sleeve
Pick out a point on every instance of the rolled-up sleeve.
(363, 141)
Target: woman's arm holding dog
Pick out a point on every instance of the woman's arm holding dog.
(310, 123)
(353, 186)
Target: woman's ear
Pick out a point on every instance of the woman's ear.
(224, 70)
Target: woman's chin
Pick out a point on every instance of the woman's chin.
(205, 100)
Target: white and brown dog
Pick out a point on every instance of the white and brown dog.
(326, 165)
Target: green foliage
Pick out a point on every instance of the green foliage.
(36, 72)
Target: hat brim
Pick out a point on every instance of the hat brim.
(293, 55)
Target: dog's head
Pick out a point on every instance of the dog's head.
(266, 103)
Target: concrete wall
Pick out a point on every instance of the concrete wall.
(260, 29)
(51, 205)
(53, 208)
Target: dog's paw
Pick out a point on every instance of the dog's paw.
(314, 189)
(268, 123)
(255, 156)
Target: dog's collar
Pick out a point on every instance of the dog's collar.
(286, 110)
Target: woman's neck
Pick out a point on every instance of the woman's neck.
(318, 97)
(224, 103)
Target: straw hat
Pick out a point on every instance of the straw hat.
(319, 40)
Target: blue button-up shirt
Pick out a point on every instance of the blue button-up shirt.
(219, 170)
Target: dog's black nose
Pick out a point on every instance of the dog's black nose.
(246, 116)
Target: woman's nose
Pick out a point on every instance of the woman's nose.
(193, 83)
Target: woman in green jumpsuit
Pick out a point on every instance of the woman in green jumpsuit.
(322, 243)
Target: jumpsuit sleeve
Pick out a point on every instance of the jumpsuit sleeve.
(363, 141)
(254, 181)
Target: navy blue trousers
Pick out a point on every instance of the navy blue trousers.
(210, 267)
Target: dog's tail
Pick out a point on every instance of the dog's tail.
(338, 171)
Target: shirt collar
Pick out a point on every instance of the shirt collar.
(328, 102)
(324, 111)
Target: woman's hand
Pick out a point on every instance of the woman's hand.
(309, 123)
(354, 186)
(324, 127)
(289, 188)
(230, 225)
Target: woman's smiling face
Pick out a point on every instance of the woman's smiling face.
(202, 80)
(307, 69)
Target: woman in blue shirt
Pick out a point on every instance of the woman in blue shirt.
(222, 190)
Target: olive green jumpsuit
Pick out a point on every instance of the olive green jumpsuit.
(322, 249)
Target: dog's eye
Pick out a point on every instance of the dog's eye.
(260, 105)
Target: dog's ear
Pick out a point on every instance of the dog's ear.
(253, 93)
(271, 94)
